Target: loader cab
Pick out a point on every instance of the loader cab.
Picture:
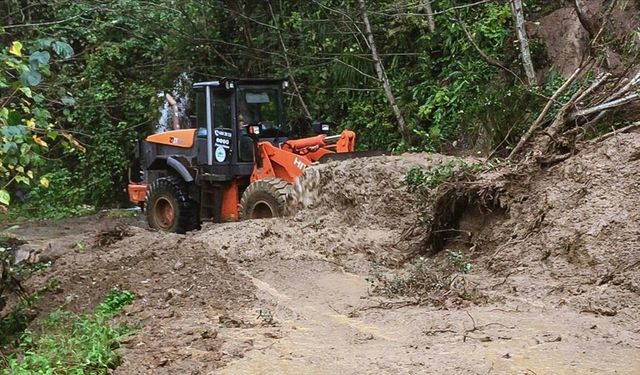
(231, 115)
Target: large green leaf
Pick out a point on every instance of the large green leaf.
(7, 147)
(5, 198)
(63, 49)
(13, 119)
(39, 58)
(31, 78)
(67, 100)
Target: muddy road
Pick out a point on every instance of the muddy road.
(553, 285)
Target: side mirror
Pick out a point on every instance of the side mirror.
(321, 127)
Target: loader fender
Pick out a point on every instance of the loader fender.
(180, 168)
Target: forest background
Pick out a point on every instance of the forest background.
(82, 81)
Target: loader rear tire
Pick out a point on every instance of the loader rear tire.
(265, 198)
(169, 207)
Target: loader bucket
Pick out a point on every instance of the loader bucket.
(351, 155)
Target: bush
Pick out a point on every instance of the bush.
(74, 344)
(62, 196)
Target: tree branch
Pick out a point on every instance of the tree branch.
(538, 122)
(382, 76)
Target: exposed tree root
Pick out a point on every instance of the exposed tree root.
(452, 200)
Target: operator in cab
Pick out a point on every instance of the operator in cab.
(246, 143)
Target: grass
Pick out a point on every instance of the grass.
(73, 344)
(19, 213)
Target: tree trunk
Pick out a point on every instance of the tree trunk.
(588, 20)
(518, 16)
(382, 76)
(430, 19)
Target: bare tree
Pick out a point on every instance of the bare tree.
(518, 16)
(588, 105)
(382, 76)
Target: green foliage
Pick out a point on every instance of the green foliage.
(74, 344)
(419, 180)
(457, 259)
(450, 87)
(422, 277)
(63, 196)
(26, 127)
(114, 302)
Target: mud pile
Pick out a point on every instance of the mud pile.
(364, 191)
(185, 291)
(351, 212)
(570, 234)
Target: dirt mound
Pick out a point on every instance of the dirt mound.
(184, 291)
(569, 234)
(367, 191)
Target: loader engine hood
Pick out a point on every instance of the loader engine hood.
(182, 138)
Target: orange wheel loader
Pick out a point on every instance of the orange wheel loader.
(236, 162)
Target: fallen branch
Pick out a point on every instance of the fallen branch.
(626, 129)
(608, 105)
(597, 83)
(388, 305)
(538, 122)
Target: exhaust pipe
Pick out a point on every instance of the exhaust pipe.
(332, 139)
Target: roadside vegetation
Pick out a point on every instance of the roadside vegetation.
(67, 343)
(426, 279)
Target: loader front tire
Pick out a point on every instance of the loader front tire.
(169, 207)
(265, 198)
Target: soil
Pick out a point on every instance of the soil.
(566, 40)
(557, 269)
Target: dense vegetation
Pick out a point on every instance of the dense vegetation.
(73, 344)
(80, 79)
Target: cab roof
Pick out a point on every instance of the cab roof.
(242, 81)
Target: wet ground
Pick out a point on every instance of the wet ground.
(293, 295)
